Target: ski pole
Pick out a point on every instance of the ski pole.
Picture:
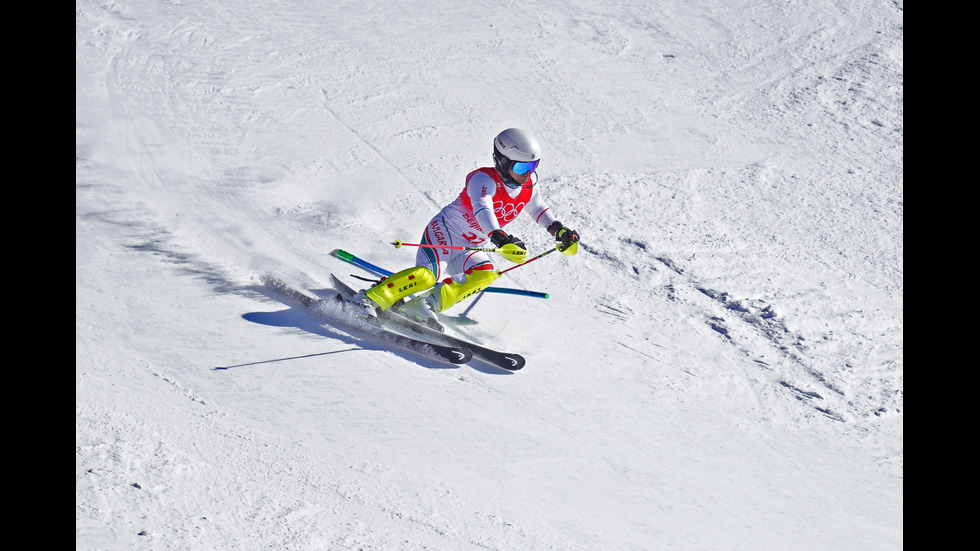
(549, 251)
(360, 262)
(398, 244)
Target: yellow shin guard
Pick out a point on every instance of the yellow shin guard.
(400, 285)
(452, 293)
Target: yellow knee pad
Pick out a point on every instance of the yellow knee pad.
(452, 293)
(399, 285)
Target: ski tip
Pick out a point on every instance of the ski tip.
(516, 362)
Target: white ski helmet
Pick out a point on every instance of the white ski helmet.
(514, 149)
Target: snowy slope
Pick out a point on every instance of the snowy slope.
(720, 367)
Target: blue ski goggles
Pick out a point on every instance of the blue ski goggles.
(520, 167)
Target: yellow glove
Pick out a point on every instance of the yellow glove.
(509, 246)
(513, 252)
(567, 238)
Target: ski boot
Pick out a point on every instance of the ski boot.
(360, 306)
(390, 290)
(452, 292)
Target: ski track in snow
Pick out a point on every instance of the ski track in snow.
(720, 367)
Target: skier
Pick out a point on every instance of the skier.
(491, 199)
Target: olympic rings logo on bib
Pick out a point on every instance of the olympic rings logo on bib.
(507, 212)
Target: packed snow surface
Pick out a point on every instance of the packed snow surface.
(719, 367)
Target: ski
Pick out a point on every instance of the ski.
(446, 352)
(502, 360)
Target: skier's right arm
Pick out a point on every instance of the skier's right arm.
(480, 188)
(508, 246)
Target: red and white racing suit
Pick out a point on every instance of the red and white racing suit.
(484, 205)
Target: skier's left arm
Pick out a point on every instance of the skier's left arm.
(541, 214)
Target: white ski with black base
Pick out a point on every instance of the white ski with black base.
(395, 320)
(445, 352)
